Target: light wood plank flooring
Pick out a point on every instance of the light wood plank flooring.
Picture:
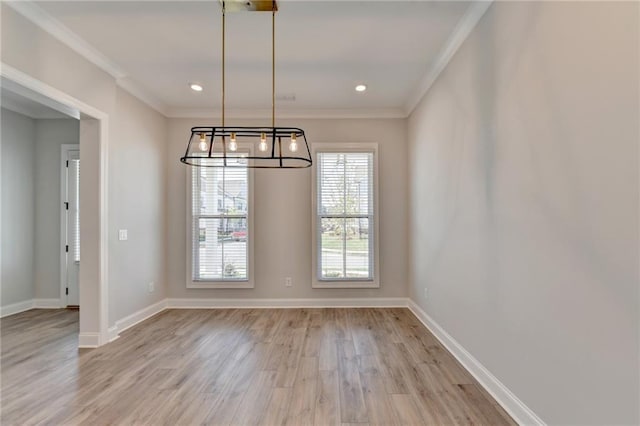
(239, 367)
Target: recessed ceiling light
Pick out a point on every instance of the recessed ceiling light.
(361, 88)
(196, 87)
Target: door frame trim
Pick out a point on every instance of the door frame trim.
(64, 153)
(94, 318)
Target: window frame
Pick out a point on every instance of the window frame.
(316, 281)
(249, 282)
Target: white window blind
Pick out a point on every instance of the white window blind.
(345, 216)
(220, 215)
(76, 211)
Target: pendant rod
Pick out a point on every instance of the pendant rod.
(273, 65)
(223, 57)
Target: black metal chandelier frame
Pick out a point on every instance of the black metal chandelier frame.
(276, 156)
(214, 146)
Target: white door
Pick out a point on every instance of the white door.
(72, 246)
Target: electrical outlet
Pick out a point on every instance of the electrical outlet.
(152, 287)
(288, 282)
(123, 235)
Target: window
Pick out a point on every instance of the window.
(75, 167)
(345, 218)
(220, 231)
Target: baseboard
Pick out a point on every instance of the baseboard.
(16, 308)
(372, 302)
(88, 340)
(522, 414)
(135, 318)
(47, 303)
(112, 333)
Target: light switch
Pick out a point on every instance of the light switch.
(122, 235)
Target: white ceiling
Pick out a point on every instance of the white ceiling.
(323, 49)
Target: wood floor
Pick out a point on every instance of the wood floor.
(238, 367)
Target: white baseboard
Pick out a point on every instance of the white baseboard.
(373, 302)
(113, 333)
(512, 405)
(135, 318)
(516, 408)
(88, 340)
(16, 308)
(143, 314)
(47, 303)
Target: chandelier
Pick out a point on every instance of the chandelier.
(269, 147)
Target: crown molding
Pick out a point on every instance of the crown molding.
(460, 33)
(55, 28)
(285, 114)
(62, 33)
(144, 95)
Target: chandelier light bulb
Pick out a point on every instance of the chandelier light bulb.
(203, 142)
(233, 145)
(263, 142)
(293, 146)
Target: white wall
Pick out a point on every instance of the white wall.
(524, 205)
(55, 64)
(50, 135)
(282, 214)
(18, 136)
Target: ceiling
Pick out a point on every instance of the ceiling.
(323, 49)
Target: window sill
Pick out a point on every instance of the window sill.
(220, 284)
(345, 284)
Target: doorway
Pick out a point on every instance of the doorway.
(93, 137)
(70, 226)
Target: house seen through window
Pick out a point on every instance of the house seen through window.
(220, 216)
(345, 216)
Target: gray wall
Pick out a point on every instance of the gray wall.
(524, 205)
(135, 200)
(282, 220)
(18, 136)
(50, 135)
(63, 69)
(137, 156)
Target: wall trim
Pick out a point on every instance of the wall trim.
(16, 308)
(460, 33)
(89, 114)
(371, 302)
(113, 333)
(47, 303)
(43, 19)
(27, 305)
(522, 414)
(89, 340)
(135, 318)
(308, 113)
(62, 33)
(134, 89)
(66, 111)
(12, 105)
